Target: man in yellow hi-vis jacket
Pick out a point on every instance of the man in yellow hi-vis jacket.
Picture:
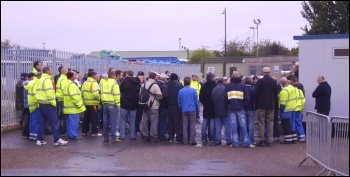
(91, 97)
(287, 105)
(47, 105)
(110, 98)
(60, 87)
(33, 107)
(72, 106)
(197, 86)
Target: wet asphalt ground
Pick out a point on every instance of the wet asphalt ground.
(91, 156)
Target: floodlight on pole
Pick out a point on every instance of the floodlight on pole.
(257, 22)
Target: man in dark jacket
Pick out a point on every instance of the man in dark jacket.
(208, 109)
(219, 99)
(322, 94)
(237, 97)
(249, 108)
(174, 112)
(265, 98)
(163, 107)
(129, 90)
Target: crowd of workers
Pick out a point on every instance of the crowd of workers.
(113, 101)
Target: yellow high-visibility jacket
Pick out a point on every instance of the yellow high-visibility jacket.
(300, 100)
(72, 102)
(45, 92)
(90, 92)
(34, 70)
(288, 97)
(32, 101)
(196, 86)
(60, 87)
(110, 92)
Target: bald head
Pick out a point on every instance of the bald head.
(235, 74)
(320, 79)
(64, 71)
(284, 81)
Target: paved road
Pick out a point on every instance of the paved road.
(91, 156)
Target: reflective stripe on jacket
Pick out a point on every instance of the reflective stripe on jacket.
(45, 91)
(110, 93)
(288, 97)
(300, 100)
(90, 92)
(73, 102)
(32, 101)
(60, 87)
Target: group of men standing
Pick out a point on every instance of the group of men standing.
(172, 107)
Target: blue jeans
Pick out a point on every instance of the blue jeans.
(110, 114)
(218, 125)
(48, 112)
(35, 117)
(250, 122)
(162, 123)
(239, 116)
(127, 115)
(208, 123)
(72, 125)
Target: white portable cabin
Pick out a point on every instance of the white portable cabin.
(326, 55)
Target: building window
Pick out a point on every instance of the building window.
(287, 67)
(211, 70)
(341, 53)
(253, 70)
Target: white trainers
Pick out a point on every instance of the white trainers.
(96, 134)
(61, 142)
(117, 134)
(39, 143)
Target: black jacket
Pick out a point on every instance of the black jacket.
(250, 104)
(237, 94)
(265, 93)
(164, 89)
(322, 94)
(205, 99)
(219, 98)
(129, 90)
(173, 91)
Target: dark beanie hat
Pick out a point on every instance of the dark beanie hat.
(210, 76)
(173, 77)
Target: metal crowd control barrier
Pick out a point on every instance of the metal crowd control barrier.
(328, 143)
(318, 134)
(339, 153)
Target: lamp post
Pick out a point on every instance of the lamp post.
(224, 12)
(179, 43)
(257, 22)
(253, 28)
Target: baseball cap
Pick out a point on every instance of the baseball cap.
(266, 70)
(163, 76)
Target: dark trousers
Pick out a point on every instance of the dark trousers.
(49, 113)
(326, 112)
(276, 132)
(162, 123)
(62, 118)
(26, 120)
(139, 113)
(175, 122)
(286, 128)
(90, 117)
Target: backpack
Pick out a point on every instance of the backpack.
(145, 96)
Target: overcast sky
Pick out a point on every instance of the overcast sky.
(146, 26)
